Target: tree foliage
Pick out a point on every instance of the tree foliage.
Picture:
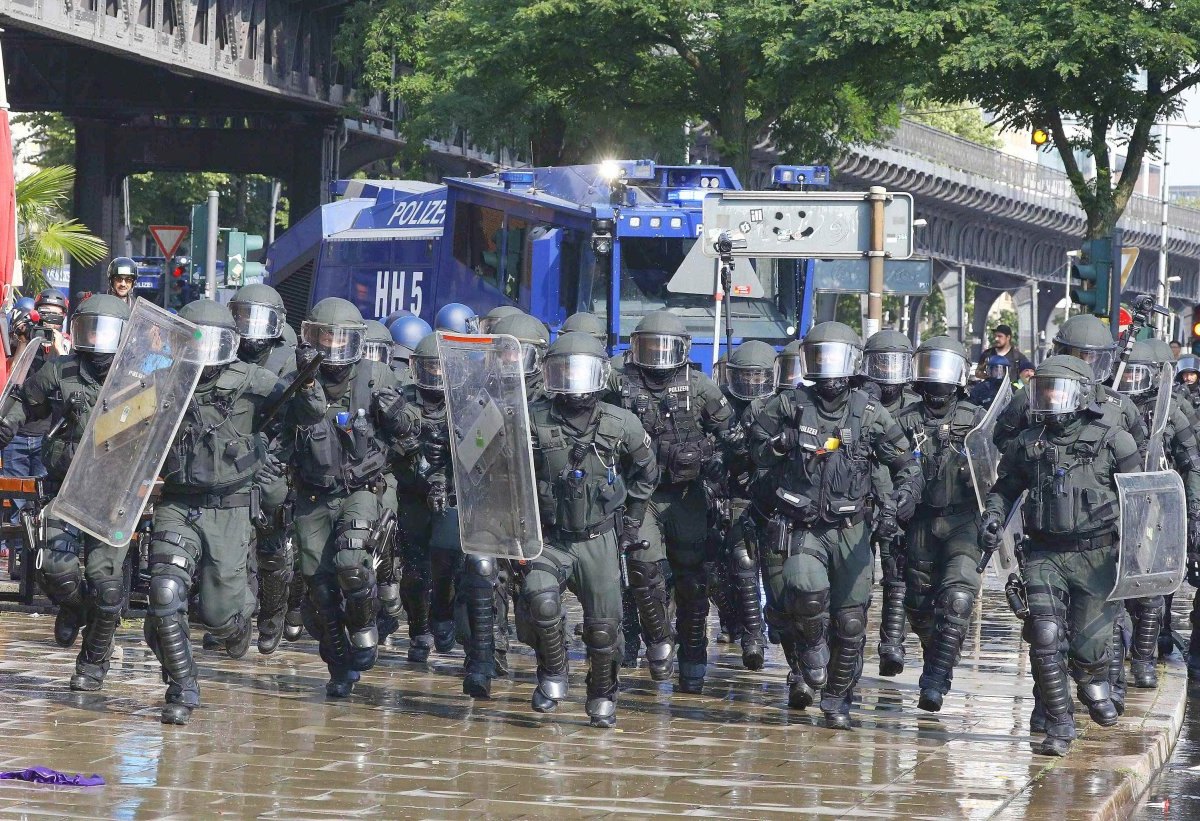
(960, 119)
(578, 80)
(1088, 71)
(47, 237)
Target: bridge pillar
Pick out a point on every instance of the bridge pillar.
(1049, 295)
(97, 197)
(951, 282)
(1026, 300)
(978, 338)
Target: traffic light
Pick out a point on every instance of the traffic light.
(1196, 330)
(175, 279)
(1039, 137)
(1091, 276)
(238, 268)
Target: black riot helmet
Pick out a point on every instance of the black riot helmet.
(122, 267)
(1059, 390)
(940, 368)
(1187, 369)
(789, 371)
(887, 358)
(1085, 337)
(660, 342)
(830, 354)
(335, 327)
(98, 323)
(750, 372)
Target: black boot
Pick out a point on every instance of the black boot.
(749, 606)
(550, 646)
(480, 666)
(845, 666)
(274, 585)
(293, 621)
(601, 640)
(1050, 674)
(1095, 692)
(1143, 654)
(166, 631)
(649, 590)
(91, 666)
(892, 627)
(800, 695)
(692, 629)
(1116, 667)
(953, 616)
(632, 629)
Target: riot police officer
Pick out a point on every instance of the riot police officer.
(406, 332)
(344, 421)
(378, 344)
(820, 443)
(1086, 338)
(587, 323)
(202, 522)
(65, 389)
(689, 420)
(1139, 381)
(789, 371)
(943, 542)
(260, 318)
(456, 318)
(1067, 461)
(595, 471)
(487, 322)
(887, 371)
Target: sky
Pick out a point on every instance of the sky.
(1183, 157)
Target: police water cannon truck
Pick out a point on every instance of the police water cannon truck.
(619, 239)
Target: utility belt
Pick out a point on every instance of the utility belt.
(222, 501)
(593, 532)
(1059, 544)
(676, 487)
(928, 512)
(376, 484)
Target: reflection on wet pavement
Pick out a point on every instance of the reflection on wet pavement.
(267, 743)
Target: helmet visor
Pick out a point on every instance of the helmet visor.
(944, 367)
(575, 374)
(997, 371)
(750, 383)
(1101, 359)
(341, 344)
(1055, 395)
(378, 352)
(829, 360)
(256, 321)
(889, 367)
(427, 372)
(1137, 378)
(658, 351)
(788, 370)
(1188, 363)
(217, 346)
(96, 333)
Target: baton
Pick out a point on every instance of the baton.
(302, 378)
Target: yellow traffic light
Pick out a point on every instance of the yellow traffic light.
(1039, 137)
(1196, 330)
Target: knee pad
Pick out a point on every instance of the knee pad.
(742, 563)
(691, 586)
(484, 566)
(168, 596)
(545, 606)
(956, 602)
(644, 574)
(324, 597)
(805, 604)
(355, 579)
(1043, 634)
(110, 594)
(850, 623)
(601, 635)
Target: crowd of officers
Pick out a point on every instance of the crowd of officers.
(768, 492)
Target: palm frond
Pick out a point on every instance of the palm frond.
(45, 188)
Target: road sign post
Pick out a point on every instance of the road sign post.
(210, 248)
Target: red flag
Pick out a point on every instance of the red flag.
(8, 206)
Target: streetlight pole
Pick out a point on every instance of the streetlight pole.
(1164, 287)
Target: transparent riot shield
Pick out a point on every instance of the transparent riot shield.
(17, 374)
(1005, 560)
(983, 457)
(1153, 534)
(490, 445)
(1156, 445)
(130, 430)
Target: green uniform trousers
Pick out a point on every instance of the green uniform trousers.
(324, 516)
(941, 552)
(590, 569)
(1074, 587)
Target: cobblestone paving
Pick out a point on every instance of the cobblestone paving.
(267, 743)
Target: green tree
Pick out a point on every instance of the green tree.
(1082, 69)
(961, 119)
(578, 80)
(47, 237)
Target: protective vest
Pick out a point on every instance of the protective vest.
(1070, 494)
(939, 449)
(407, 458)
(281, 360)
(673, 421)
(831, 465)
(347, 456)
(579, 480)
(58, 448)
(216, 447)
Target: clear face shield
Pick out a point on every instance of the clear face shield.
(1101, 359)
(750, 383)
(943, 367)
(427, 372)
(997, 371)
(658, 352)
(574, 374)
(1137, 379)
(378, 352)
(341, 344)
(889, 367)
(788, 370)
(829, 360)
(217, 346)
(1055, 395)
(531, 357)
(256, 321)
(98, 334)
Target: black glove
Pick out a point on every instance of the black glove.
(388, 403)
(435, 449)
(436, 498)
(785, 440)
(734, 435)
(992, 527)
(886, 527)
(714, 470)
(7, 431)
(305, 354)
(906, 505)
(628, 540)
(271, 470)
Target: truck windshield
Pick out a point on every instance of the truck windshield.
(649, 283)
